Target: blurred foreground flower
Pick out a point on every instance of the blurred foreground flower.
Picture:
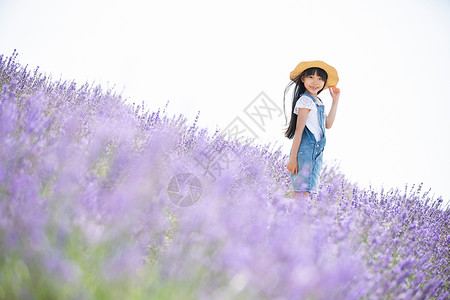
(90, 192)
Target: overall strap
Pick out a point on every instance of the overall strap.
(312, 98)
(320, 100)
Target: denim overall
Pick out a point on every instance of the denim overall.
(310, 156)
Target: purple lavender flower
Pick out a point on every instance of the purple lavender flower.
(84, 210)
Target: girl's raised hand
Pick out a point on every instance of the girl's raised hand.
(335, 92)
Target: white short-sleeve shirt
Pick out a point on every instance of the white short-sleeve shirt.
(312, 121)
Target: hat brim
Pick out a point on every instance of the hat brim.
(333, 77)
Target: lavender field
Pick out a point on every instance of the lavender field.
(100, 199)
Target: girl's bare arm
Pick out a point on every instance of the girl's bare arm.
(301, 121)
(332, 114)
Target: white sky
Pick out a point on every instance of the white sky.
(216, 57)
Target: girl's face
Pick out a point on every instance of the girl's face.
(313, 83)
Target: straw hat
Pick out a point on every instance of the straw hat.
(332, 73)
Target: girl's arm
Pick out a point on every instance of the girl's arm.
(301, 121)
(332, 114)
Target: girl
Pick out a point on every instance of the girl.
(308, 122)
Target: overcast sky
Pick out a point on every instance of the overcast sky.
(225, 58)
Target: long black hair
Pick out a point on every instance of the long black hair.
(299, 90)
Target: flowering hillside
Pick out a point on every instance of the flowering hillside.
(100, 199)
